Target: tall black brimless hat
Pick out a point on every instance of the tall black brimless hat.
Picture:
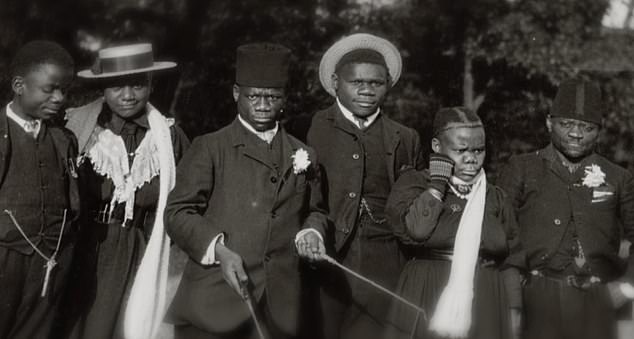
(578, 99)
(262, 65)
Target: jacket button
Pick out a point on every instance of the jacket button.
(352, 195)
(557, 222)
(267, 258)
(273, 215)
(345, 231)
(355, 156)
(273, 179)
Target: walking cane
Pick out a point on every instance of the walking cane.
(419, 310)
(244, 290)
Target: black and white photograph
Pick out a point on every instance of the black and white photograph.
(316, 169)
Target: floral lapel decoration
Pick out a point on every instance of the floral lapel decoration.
(300, 161)
(594, 176)
(595, 179)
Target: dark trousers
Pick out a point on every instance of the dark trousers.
(351, 308)
(554, 310)
(244, 331)
(23, 312)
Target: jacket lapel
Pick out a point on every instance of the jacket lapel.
(82, 121)
(550, 158)
(241, 139)
(288, 149)
(339, 121)
(68, 163)
(391, 139)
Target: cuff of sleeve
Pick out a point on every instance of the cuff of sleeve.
(306, 231)
(210, 256)
(627, 289)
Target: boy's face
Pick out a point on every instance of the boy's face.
(361, 87)
(466, 147)
(127, 96)
(39, 94)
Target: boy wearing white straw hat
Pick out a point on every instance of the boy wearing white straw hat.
(128, 152)
(362, 151)
(38, 192)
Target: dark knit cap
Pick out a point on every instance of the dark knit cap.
(455, 117)
(578, 99)
(361, 56)
(263, 65)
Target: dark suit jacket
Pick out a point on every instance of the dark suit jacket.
(342, 158)
(66, 146)
(223, 185)
(547, 197)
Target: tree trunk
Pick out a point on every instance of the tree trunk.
(467, 83)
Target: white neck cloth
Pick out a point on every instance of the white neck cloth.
(452, 317)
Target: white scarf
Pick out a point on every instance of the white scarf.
(147, 303)
(452, 317)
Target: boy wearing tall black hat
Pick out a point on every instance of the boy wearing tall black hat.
(38, 192)
(247, 199)
(573, 207)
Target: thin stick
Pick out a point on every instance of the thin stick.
(255, 318)
(244, 290)
(375, 285)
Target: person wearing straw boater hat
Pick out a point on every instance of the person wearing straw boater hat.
(247, 201)
(128, 152)
(371, 149)
(39, 199)
(574, 207)
(466, 254)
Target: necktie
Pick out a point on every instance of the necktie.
(361, 122)
(32, 127)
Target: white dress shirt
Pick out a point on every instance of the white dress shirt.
(29, 126)
(353, 119)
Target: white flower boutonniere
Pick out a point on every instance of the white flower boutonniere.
(300, 161)
(594, 176)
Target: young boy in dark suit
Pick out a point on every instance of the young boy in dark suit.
(38, 192)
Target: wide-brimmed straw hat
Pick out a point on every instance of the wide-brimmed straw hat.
(124, 60)
(354, 42)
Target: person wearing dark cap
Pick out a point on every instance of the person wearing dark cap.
(247, 200)
(38, 192)
(362, 152)
(465, 240)
(573, 208)
(128, 152)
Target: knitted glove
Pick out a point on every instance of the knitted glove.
(440, 170)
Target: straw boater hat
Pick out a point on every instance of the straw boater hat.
(355, 42)
(124, 60)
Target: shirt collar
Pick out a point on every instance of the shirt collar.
(116, 123)
(350, 116)
(265, 135)
(24, 124)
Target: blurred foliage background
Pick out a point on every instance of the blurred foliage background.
(504, 58)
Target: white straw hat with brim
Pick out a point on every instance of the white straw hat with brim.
(355, 42)
(125, 60)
